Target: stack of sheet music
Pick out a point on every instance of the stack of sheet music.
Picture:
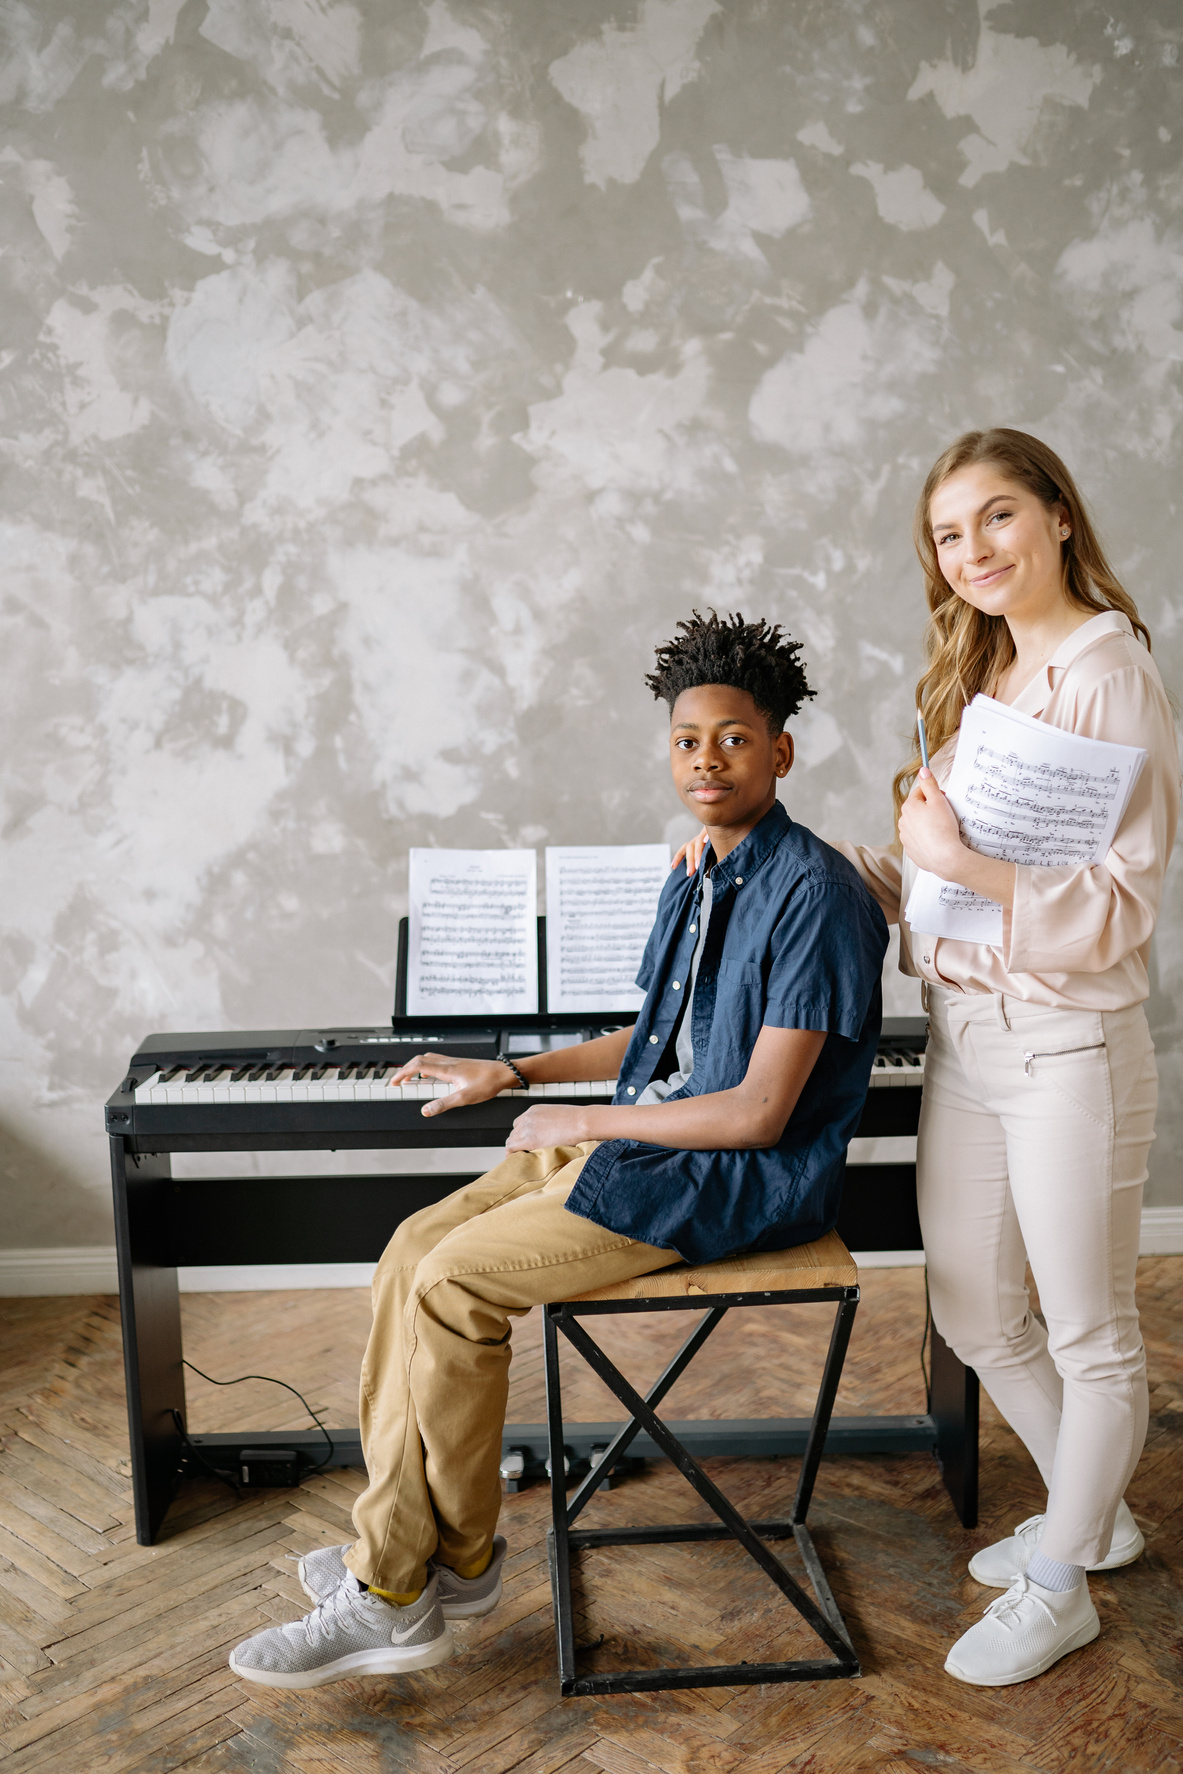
(1025, 792)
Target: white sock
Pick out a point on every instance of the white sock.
(1050, 1574)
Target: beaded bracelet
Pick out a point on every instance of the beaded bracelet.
(503, 1059)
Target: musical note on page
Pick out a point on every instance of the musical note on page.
(1028, 793)
(473, 947)
(600, 904)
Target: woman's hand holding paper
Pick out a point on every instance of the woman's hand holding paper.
(931, 837)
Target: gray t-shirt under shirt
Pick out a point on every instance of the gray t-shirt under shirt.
(660, 1088)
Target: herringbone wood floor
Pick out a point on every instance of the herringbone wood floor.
(113, 1656)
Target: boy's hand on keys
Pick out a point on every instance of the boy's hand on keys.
(471, 1080)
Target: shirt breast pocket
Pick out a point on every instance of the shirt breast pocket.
(739, 1003)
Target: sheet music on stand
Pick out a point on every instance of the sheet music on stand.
(600, 904)
(1024, 792)
(473, 947)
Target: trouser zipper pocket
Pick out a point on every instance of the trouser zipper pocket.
(1058, 1053)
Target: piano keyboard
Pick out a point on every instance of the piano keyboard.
(906, 1069)
(368, 1084)
(326, 1084)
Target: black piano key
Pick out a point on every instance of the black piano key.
(345, 1072)
(242, 1072)
(300, 1072)
(256, 1073)
(275, 1072)
(381, 1071)
(317, 1073)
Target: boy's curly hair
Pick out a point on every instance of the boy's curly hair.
(751, 656)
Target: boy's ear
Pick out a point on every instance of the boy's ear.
(785, 753)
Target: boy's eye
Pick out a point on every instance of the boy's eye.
(733, 739)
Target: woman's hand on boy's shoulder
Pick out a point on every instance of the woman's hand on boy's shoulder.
(692, 851)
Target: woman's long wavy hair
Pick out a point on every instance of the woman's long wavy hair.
(965, 650)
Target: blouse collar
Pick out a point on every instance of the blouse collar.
(1034, 696)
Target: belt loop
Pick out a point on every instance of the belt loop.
(925, 1002)
(1000, 1006)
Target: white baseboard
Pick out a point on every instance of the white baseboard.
(60, 1269)
(90, 1269)
(229, 1279)
(1162, 1232)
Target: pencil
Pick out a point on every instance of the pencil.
(923, 739)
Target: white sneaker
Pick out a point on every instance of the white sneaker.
(997, 1566)
(1023, 1633)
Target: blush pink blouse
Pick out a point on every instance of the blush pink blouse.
(1078, 937)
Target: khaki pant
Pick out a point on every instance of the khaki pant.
(435, 1377)
(1034, 1134)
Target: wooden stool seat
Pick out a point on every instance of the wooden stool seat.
(820, 1273)
(827, 1263)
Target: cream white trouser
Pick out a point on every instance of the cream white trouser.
(435, 1378)
(1043, 1159)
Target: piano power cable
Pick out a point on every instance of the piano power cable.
(269, 1380)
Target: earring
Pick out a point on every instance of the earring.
(1064, 533)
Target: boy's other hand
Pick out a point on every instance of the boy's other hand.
(546, 1124)
(692, 850)
(469, 1080)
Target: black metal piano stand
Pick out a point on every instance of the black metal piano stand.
(165, 1223)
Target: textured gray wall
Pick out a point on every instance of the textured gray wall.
(380, 381)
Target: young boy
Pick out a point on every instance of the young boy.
(740, 1085)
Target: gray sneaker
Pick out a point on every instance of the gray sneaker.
(461, 1598)
(351, 1633)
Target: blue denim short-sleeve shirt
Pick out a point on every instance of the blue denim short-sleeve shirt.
(795, 941)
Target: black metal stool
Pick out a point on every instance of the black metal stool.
(819, 1272)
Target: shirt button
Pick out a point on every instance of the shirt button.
(693, 928)
(927, 960)
(653, 1040)
(631, 1091)
(739, 880)
(677, 985)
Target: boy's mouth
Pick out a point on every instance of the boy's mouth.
(709, 791)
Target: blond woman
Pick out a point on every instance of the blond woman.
(1040, 1084)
